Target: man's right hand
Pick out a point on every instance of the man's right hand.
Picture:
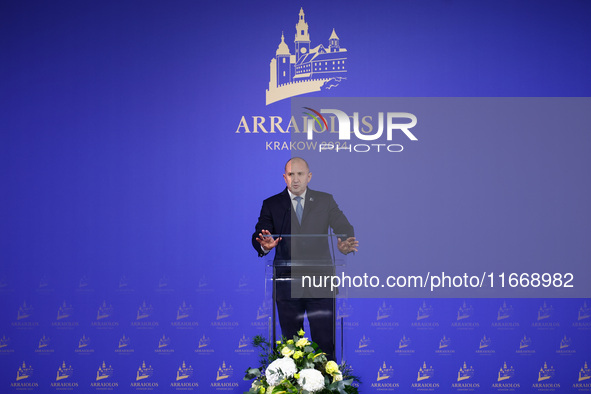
(266, 241)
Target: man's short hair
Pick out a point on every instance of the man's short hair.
(297, 158)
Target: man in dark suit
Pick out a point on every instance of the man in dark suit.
(298, 211)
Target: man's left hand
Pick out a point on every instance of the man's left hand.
(347, 246)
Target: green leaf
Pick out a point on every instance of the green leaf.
(252, 373)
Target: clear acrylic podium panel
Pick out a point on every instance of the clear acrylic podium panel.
(314, 267)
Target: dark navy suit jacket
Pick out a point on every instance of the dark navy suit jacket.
(320, 212)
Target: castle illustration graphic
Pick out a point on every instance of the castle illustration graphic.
(224, 311)
(83, 342)
(404, 342)
(384, 311)
(243, 342)
(24, 311)
(364, 342)
(425, 372)
(104, 372)
(546, 372)
(545, 311)
(504, 311)
(163, 342)
(444, 342)
(64, 372)
(525, 342)
(204, 341)
(424, 311)
(144, 372)
(465, 311)
(344, 310)
(224, 372)
(104, 311)
(465, 372)
(184, 372)
(123, 342)
(505, 372)
(565, 342)
(263, 311)
(43, 342)
(184, 311)
(484, 342)
(584, 312)
(64, 311)
(385, 372)
(144, 311)
(24, 372)
(309, 69)
(584, 373)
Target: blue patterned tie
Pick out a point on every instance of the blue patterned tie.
(299, 209)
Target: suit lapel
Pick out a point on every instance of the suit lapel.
(309, 205)
(292, 226)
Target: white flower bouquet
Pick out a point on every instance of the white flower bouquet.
(297, 366)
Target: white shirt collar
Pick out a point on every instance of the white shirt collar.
(292, 196)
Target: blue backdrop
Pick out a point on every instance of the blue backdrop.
(128, 197)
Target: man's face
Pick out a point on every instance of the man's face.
(297, 175)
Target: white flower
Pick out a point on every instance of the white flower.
(286, 351)
(302, 342)
(331, 367)
(282, 368)
(311, 380)
(337, 377)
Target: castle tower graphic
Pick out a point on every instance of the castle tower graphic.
(546, 372)
(525, 342)
(424, 311)
(364, 342)
(104, 372)
(384, 372)
(204, 341)
(425, 372)
(184, 372)
(64, 372)
(123, 342)
(184, 311)
(584, 373)
(104, 311)
(243, 342)
(565, 342)
(24, 372)
(404, 342)
(24, 311)
(43, 342)
(465, 372)
(309, 69)
(545, 311)
(144, 372)
(444, 342)
(465, 311)
(83, 342)
(484, 342)
(584, 312)
(224, 372)
(505, 372)
(163, 342)
(504, 311)
(263, 311)
(384, 311)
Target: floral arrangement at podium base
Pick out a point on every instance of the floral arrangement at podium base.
(297, 366)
